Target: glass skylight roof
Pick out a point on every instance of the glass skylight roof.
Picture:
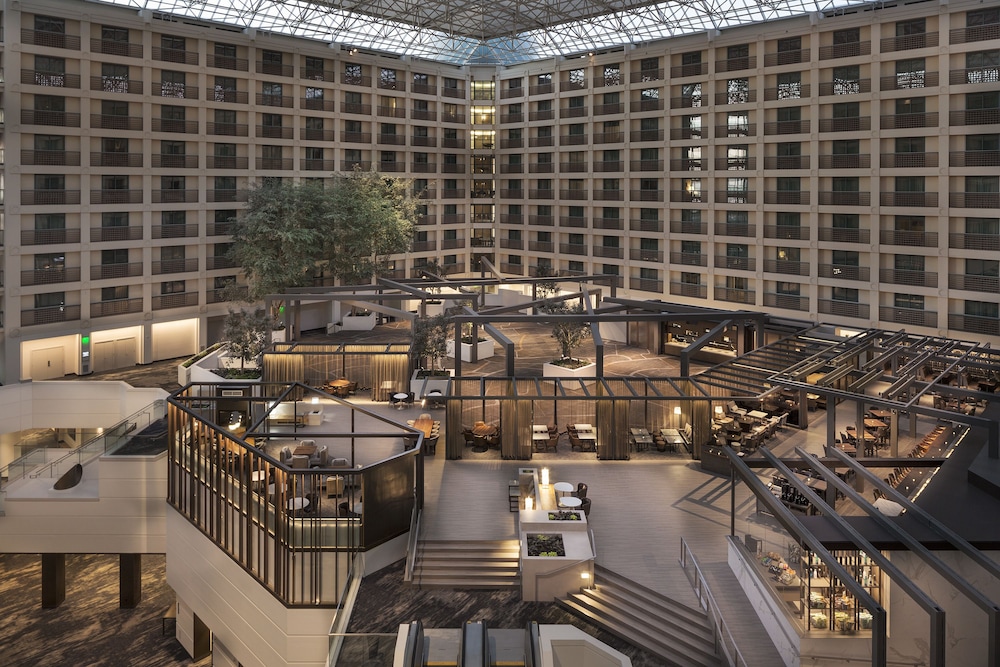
(496, 32)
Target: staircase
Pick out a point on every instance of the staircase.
(680, 635)
(467, 564)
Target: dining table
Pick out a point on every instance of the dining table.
(304, 450)
(875, 424)
(484, 429)
(425, 424)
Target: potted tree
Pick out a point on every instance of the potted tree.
(428, 345)
(482, 345)
(569, 335)
(246, 333)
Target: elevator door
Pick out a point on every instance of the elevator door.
(111, 354)
(48, 364)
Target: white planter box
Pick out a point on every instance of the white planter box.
(359, 322)
(579, 558)
(435, 308)
(538, 521)
(421, 386)
(484, 350)
(553, 371)
(278, 336)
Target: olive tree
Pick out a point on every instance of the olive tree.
(292, 233)
(429, 340)
(569, 334)
(246, 333)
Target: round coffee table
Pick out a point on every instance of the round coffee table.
(562, 487)
(570, 501)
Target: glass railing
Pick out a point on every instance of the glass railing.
(368, 649)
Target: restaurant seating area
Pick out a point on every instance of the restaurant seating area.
(745, 429)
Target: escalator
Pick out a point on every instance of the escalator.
(472, 645)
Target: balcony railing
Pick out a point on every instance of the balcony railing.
(573, 112)
(907, 160)
(907, 42)
(180, 300)
(973, 75)
(219, 262)
(645, 255)
(844, 235)
(275, 69)
(608, 109)
(608, 252)
(457, 93)
(849, 124)
(734, 295)
(512, 269)
(356, 79)
(974, 241)
(68, 274)
(49, 236)
(609, 195)
(786, 267)
(274, 163)
(431, 89)
(227, 162)
(424, 246)
(607, 223)
(974, 33)
(124, 233)
(51, 158)
(219, 195)
(541, 168)
(115, 196)
(538, 193)
(974, 200)
(786, 301)
(689, 290)
(538, 142)
(735, 263)
(786, 127)
(174, 90)
(389, 112)
(175, 161)
(268, 100)
(175, 196)
(849, 161)
(54, 40)
(854, 87)
(974, 158)
(735, 196)
(573, 249)
(908, 277)
(540, 246)
(274, 132)
(848, 50)
(114, 48)
(962, 281)
(786, 162)
(844, 272)
(638, 106)
(688, 196)
(173, 125)
(572, 167)
(109, 84)
(175, 55)
(843, 308)
(175, 231)
(227, 294)
(908, 199)
(572, 221)
(112, 271)
(787, 92)
(453, 219)
(646, 285)
(98, 159)
(836, 198)
(49, 197)
(646, 165)
(786, 232)
(49, 315)
(909, 80)
(228, 62)
(540, 89)
(693, 69)
(646, 135)
(227, 129)
(641, 225)
(689, 258)
(734, 229)
(309, 164)
(56, 118)
(786, 57)
(910, 316)
(116, 307)
(742, 97)
(646, 195)
(161, 267)
(424, 114)
(603, 166)
(975, 117)
(795, 197)
(646, 75)
(987, 326)
(34, 77)
(511, 219)
(905, 121)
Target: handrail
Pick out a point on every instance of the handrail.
(341, 614)
(411, 543)
(839, 658)
(92, 447)
(707, 600)
(546, 575)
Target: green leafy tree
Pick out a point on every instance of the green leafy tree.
(291, 233)
(246, 333)
(568, 334)
(429, 340)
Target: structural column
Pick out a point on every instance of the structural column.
(53, 580)
(129, 580)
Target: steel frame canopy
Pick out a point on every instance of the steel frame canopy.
(494, 32)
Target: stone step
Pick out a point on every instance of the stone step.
(467, 564)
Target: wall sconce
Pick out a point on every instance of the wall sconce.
(529, 503)
(718, 411)
(545, 476)
(677, 410)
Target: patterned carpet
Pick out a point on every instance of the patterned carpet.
(88, 629)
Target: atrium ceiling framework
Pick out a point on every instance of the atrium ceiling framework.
(493, 32)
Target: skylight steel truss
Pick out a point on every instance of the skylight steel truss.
(501, 32)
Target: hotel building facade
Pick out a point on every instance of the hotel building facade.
(840, 167)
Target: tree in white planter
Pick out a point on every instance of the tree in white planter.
(246, 333)
(429, 341)
(568, 334)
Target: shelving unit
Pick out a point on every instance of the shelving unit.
(828, 600)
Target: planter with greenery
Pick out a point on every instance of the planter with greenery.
(484, 348)
(569, 335)
(363, 320)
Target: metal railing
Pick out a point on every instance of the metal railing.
(411, 544)
(724, 640)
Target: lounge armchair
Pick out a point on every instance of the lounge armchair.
(581, 490)
(320, 458)
(585, 506)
